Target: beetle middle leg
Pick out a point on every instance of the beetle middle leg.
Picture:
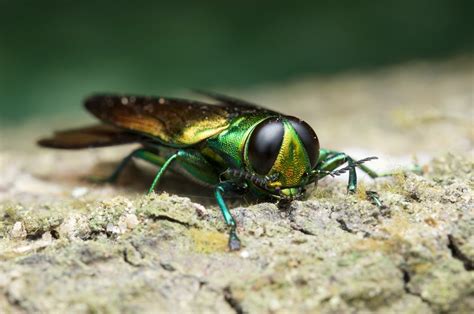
(223, 188)
(193, 163)
(199, 168)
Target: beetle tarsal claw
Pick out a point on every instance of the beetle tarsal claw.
(234, 241)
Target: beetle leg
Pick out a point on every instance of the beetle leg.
(373, 174)
(141, 153)
(193, 163)
(352, 183)
(222, 188)
(335, 159)
(329, 156)
(331, 162)
(162, 170)
(196, 165)
(375, 199)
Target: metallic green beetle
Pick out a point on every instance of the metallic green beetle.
(232, 145)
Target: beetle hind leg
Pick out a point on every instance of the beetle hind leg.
(141, 153)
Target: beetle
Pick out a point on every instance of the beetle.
(231, 145)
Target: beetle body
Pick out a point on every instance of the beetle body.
(233, 145)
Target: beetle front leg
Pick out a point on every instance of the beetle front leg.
(352, 184)
(331, 161)
(223, 188)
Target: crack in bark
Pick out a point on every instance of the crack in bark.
(406, 281)
(344, 226)
(126, 257)
(301, 229)
(19, 304)
(170, 268)
(173, 220)
(137, 248)
(458, 254)
(127, 260)
(232, 301)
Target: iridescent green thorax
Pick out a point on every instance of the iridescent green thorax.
(229, 144)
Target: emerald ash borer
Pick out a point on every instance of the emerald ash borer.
(230, 145)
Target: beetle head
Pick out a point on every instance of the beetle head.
(285, 149)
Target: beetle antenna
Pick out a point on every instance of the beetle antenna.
(351, 166)
(255, 179)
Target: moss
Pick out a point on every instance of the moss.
(361, 192)
(173, 208)
(9, 213)
(40, 221)
(452, 166)
(444, 285)
(320, 192)
(108, 212)
(35, 221)
(395, 184)
(96, 251)
(93, 304)
(208, 241)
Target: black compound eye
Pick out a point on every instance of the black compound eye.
(264, 145)
(309, 139)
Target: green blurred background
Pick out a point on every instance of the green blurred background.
(54, 53)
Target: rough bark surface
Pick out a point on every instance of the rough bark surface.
(68, 245)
